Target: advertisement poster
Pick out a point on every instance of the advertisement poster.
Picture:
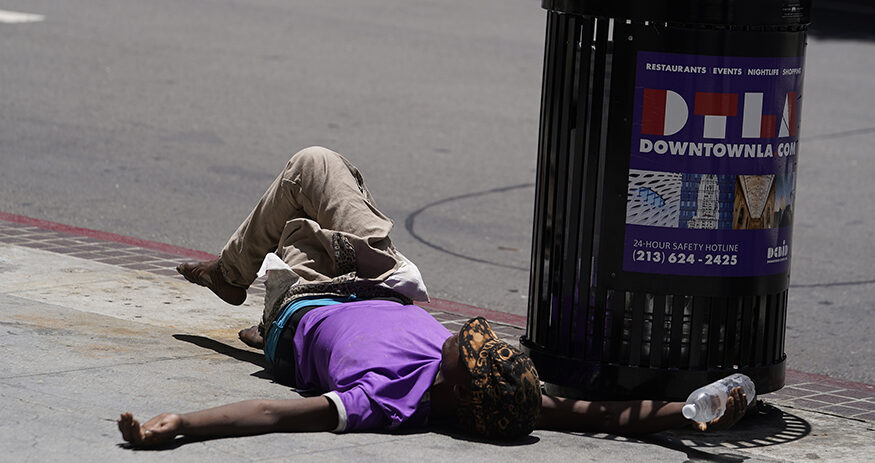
(713, 165)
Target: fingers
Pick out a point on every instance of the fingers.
(136, 432)
(738, 402)
(130, 428)
(123, 425)
(736, 406)
(732, 408)
(740, 399)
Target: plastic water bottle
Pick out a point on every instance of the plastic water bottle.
(709, 402)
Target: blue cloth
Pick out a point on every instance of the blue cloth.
(273, 333)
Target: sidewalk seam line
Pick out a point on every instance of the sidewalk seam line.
(61, 372)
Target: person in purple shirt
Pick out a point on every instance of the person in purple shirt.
(339, 318)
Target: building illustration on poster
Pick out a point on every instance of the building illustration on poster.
(653, 198)
(707, 195)
(754, 202)
(712, 165)
(785, 193)
(707, 213)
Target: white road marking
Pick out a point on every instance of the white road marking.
(11, 17)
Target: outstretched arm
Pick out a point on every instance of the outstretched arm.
(630, 417)
(237, 419)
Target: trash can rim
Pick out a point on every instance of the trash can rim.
(716, 12)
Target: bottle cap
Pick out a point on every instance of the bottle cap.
(689, 411)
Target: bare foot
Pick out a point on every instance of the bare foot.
(208, 274)
(251, 337)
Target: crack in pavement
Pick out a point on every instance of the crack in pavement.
(103, 367)
(410, 220)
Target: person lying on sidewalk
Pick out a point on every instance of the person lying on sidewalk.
(339, 318)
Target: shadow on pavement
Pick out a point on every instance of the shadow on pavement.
(172, 445)
(843, 20)
(767, 426)
(244, 355)
(451, 431)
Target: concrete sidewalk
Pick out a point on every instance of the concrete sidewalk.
(95, 324)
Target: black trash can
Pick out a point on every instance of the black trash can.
(664, 197)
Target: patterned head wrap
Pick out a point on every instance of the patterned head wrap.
(505, 391)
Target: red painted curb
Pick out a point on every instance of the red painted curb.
(106, 236)
(803, 377)
(473, 311)
(436, 304)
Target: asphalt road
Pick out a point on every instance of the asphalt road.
(165, 120)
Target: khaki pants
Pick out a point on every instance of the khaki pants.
(317, 196)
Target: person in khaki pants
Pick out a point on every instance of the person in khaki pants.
(321, 220)
(338, 317)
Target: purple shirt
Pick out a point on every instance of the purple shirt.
(378, 359)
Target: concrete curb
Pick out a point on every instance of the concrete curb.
(803, 390)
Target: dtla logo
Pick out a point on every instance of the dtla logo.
(665, 113)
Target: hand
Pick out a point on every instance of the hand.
(736, 406)
(159, 430)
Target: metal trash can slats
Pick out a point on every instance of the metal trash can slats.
(596, 328)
